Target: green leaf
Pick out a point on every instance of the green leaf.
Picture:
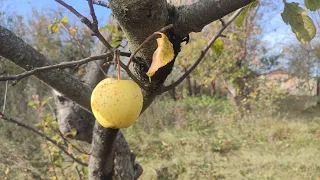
(85, 170)
(45, 101)
(33, 103)
(108, 27)
(218, 47)
(64, 20)
(301, 24)
(116, 39)
(72, 133)
(312, 5)
(240, 19)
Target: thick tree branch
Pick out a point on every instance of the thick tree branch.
(138, 19)
(192, 18)
(11, 120)
(101, 159)
(23, 55)
(203, 52)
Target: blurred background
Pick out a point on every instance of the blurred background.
(251, 111)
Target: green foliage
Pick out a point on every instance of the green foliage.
(54, 27)
(116, 32)
(218, 47)
(58, 168)
(240, 19)
(301, 24)
(312, 5)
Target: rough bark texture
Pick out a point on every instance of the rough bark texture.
(192, 18)
(101, 158)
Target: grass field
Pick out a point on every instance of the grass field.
(202, 138)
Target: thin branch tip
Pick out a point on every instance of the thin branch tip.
(202, 53)
(11, 120)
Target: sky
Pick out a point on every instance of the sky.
(24, 7)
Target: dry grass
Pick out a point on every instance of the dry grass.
(202, 139)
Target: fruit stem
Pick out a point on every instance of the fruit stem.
(118, 68)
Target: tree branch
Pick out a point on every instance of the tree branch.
(86, 21)
(94, 17)
(102, 154)
(25, 56)
(101, 3)
(11, 120)
(62, 65)
(203, 52)
(5, 98)
(138, 19)
(192, 18)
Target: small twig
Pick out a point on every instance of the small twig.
(118, 63)
(125, 54)
(81, 47)
(78, 172)
(5, 98)
(87, 22)
(222, 22)
(51, 161)
(11, 120)
(93, 15)
(101, 3)
(203, 53)
(133, 77)
(147, 41)
(62, 65)
(67, 142)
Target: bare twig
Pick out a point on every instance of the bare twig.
(67, 142)
(11, 120)
(87, 22)
(101, 3)
(94, 28)
(125, 54)
(51, 161)
(222, 22)
(133, 77)
(5, 98)
(151, 37)
(94, 17)
(203, 53)
(81, 47)
(79, 174)
(62, 65)
(118, 63)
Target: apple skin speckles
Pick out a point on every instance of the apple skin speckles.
(116, 103)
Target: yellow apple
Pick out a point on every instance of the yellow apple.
(116, 103)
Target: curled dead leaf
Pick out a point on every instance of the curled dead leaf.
(162, 56)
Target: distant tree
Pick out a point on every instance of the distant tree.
(138, 19)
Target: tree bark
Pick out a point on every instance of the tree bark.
(192, 18)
